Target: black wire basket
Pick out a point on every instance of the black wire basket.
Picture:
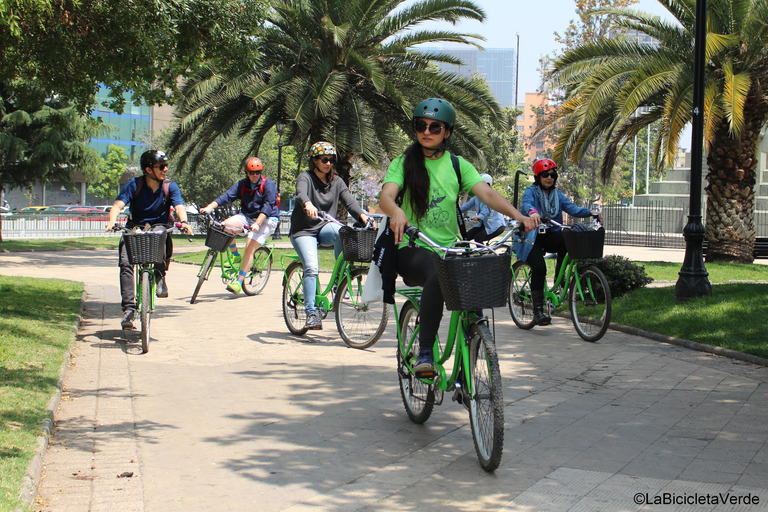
(357, 244)
(145, 248)
(584, 244)
(474, 281)
(218, 238)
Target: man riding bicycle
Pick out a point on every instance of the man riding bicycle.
(258, 209)
(151, 198)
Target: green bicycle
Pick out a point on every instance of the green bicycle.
(471, 278)
(360, 324)
(218, 240)
(145, 249)
(583, 286)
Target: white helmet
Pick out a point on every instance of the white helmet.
(488, 179)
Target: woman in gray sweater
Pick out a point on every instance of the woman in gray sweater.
(319, 188)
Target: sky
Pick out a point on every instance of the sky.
(535, 21)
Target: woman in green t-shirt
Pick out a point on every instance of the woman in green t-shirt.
(426, 174)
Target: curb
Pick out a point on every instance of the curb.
(34, 472)
(693, 345)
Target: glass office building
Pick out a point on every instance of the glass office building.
(130, 129)
(496, 65)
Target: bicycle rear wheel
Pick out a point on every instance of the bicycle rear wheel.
(486, 405)
(294, 314)
(418, 397)
(205, 271)
(590, 309)
(360, 324)
(144, 312)
(520, 304)
(261, 269)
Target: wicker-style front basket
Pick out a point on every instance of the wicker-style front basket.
(145, 248)
(584, 244)
(474, 281)
(218, 239)
(357, 244)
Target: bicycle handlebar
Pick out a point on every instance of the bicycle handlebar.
(330, 218)
(244, 231)
(123, 228)
(470, 246)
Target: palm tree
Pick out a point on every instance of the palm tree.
(339, 70)
(616, 87)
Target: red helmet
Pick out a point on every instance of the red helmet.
(542, 165)
(254, 164)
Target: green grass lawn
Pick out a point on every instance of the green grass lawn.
(325, 255)
(91, 242)
(36, 320)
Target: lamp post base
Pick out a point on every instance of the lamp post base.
(693, 282)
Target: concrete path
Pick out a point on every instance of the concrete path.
(228, 411)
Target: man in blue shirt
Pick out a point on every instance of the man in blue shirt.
(258, 212)
(151, 199)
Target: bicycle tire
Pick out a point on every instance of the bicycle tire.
(294, 314)
(261, 269)
(145, 314)
(486, 406)
(590, 310)
(360, 324)
(520, 304)
(203, 275)
(418, 397)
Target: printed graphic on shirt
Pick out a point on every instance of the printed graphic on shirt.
(437, 216)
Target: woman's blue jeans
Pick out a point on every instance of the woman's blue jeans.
(306, 248)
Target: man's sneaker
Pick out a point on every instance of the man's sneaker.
(425, 362)
(128, 316)
(235, 287)
(161, 288)
(313, 322)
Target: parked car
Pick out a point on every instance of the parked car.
(32, 209)
(71, 208)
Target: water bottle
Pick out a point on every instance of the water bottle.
(595, 211)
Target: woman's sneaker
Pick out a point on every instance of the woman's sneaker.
(313, 322)
(235, 287)
(425, 362)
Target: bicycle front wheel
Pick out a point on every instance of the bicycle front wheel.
(261, 269)
(203, 275)
(589, 301)
(144, 313)
(418, 397)
(520, 304)
(360, 324)
(294, 314)
(486, 405)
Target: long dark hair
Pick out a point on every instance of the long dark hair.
(331, 175)
(416, 179)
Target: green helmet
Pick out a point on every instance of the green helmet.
(435, 108)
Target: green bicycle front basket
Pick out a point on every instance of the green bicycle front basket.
(474, 281)
(357, 244)
(218, 239)
(145, 248)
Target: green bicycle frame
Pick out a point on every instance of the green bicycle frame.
(341, 268)
(229, 271)
(457, 335)
(567, 273)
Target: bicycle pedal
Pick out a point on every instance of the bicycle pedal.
(426, 375)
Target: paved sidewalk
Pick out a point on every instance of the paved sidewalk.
(228, 411)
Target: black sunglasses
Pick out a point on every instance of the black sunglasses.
(434, 128)
(162, 166)
(548, 174)
(326, 159)
(252, 173)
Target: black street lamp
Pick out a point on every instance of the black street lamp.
(280, 128)
(693, 280)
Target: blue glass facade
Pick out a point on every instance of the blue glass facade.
(496, 65)
(130, 129)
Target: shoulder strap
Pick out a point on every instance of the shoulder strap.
(459, 216)
(139, 186)
(166, 188)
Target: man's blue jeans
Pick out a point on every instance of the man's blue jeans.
(306, 248)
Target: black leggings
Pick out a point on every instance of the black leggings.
(479, 235)
(415, 266)
(552, 241)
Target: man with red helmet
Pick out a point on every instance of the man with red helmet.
(258, 209)
(543, 202)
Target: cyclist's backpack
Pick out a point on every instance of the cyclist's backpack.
(166, 193)
(261, 187)
(459, 216)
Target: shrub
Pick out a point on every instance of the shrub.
(623, 275)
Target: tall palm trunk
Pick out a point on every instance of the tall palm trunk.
(730, 223)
